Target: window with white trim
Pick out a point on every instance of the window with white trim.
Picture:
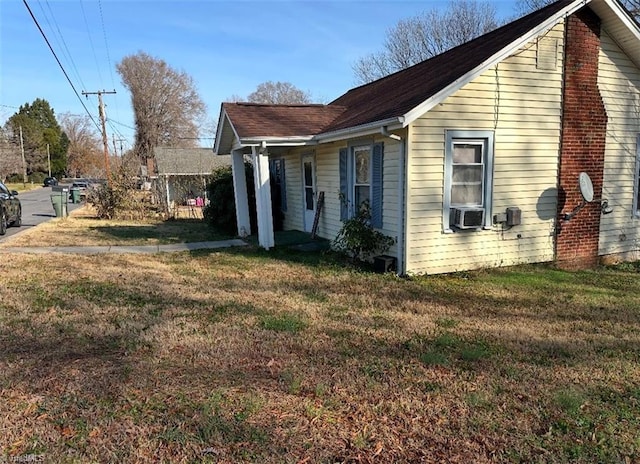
(468, 180)
(361, 180)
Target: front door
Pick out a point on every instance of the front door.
(309, 190)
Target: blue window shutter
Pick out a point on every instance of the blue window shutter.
(376, 185)
(283, 186)
(344, 186)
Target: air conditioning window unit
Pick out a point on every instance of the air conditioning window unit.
(468, 218)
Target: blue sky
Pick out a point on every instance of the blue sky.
(227, 47)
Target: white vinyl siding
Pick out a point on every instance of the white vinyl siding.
(619, 83)
(328, 181)
(521, 105)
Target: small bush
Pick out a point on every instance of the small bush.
(36, 177)
(358, 239)
(117, 198)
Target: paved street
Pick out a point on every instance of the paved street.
(36, 208)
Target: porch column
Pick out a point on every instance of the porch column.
(240, 193)
(166, 186)
(263, 198)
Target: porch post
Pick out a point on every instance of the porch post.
(263, 198)
(166, 185)
(240, 193)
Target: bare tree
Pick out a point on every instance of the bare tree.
(167, 108)
(85, 157)
(419, 38)
(279, 93)
(527, 6)
(10, 156)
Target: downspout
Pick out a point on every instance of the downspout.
(401, 210)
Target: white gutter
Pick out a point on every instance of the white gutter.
(362, 130)
(456, 85)
(294, 141)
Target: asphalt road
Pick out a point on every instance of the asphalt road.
(36, 208)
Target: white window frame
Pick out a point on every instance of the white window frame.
(353, 182)
(486, 139)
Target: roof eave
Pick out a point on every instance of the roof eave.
(219, 132)
(291, 141)
(456, 85)
(361, 130)
(629, 37)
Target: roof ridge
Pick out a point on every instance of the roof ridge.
(279, 105)
(452, 51)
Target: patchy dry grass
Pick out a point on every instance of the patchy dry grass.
(20, 187)
(82, 228)
(248, 356)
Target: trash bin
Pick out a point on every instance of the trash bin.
(59, 202)
(75, 196)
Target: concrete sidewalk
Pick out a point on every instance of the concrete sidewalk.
(91, 250)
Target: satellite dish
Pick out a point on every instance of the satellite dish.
(586, 187)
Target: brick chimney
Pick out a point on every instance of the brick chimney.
(584, 125)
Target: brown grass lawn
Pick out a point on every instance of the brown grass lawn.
(280, 357)
(82, 228)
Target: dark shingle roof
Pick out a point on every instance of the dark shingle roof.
(398, 93)
(256, 120)
(390, 97)
(188, 161)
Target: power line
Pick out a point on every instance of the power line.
(95, 57)
(65, 48)
(106, 45)
(59, 63)
(121, 124)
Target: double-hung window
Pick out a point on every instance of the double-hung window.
(361, 175)
(468, 180)
(361, 180)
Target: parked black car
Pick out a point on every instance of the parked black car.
(50, 181)
(10, 209)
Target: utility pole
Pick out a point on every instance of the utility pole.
(24, 163)
(49, 160)
(115, 148)
(103, 119)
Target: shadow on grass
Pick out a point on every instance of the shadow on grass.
(74, 360)
(166, 232)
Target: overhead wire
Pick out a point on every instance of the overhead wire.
(62, 44)
(64, 71)
(106, 45)
(93, 49)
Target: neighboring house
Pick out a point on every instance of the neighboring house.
(470, 159)
(182, 173)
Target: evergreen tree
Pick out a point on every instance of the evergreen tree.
(39, 128)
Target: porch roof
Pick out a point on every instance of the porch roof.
(188, 161)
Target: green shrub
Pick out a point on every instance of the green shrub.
(220, 213)
(36, 177)
(358, 239)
